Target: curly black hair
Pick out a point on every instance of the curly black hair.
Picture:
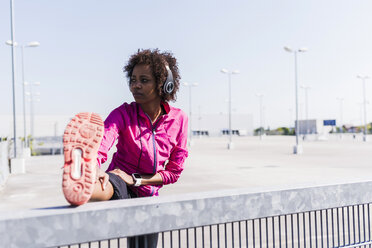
(157, 61)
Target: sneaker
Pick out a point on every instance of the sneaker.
(81, 142)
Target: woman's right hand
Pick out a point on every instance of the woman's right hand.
(128, 179)
(102, 177)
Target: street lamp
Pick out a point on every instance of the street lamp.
(360, 105)
(190, 109)
(341, 99)
(230, 144)
(290, 118)
(13, 77)
(364, 104)
(260, 96)
(29, 44)
(32, 100)
(199, 120)
(306, 88)
(297, 149)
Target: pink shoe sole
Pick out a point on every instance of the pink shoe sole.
(81, 142)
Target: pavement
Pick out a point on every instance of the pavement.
(254, 163)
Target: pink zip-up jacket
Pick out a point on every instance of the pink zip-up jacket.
(144, 147)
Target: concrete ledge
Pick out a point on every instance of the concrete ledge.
(122, 218)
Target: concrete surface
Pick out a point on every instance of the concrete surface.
(53, 227)
(210, 166)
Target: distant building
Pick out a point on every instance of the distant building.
(218, 124)
(315, 126)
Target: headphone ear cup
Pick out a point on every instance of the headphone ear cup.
(168, 87)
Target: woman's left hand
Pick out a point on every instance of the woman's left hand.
(128, 179)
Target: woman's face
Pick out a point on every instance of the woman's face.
(142, 85)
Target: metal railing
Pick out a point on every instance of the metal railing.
(326, 216)
(336, 227)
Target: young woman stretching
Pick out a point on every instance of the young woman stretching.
(151, 134)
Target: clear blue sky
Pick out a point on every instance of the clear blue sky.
(84, 45)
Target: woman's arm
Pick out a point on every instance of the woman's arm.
(113, 123)
(146, 179)
(175, 165)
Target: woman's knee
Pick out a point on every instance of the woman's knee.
(100, 194)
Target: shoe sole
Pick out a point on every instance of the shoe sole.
(81, 141)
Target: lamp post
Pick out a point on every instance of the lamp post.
(29, 44)
(297, 149)
(363, 78)
(229, 73)
(190, 109)
(306, 88)
(260, 96)
(340, 99)
(360, 106)
(32, 100)
(13, 76)
(199, 120)
(290, 119)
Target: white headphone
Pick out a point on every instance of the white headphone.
(168, 85)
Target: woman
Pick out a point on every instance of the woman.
(151, 134)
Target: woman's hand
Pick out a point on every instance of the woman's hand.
(128, 179)
(102, 177)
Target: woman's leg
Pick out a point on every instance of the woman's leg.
(147, 241)
(102, 195)
(115, 189)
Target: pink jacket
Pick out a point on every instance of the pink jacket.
(146, 148)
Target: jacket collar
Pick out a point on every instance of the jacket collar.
(165, 105)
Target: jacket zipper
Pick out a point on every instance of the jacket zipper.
(153, 141)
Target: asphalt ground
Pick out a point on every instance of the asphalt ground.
(253, 163)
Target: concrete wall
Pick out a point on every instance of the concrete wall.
(122, 218)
